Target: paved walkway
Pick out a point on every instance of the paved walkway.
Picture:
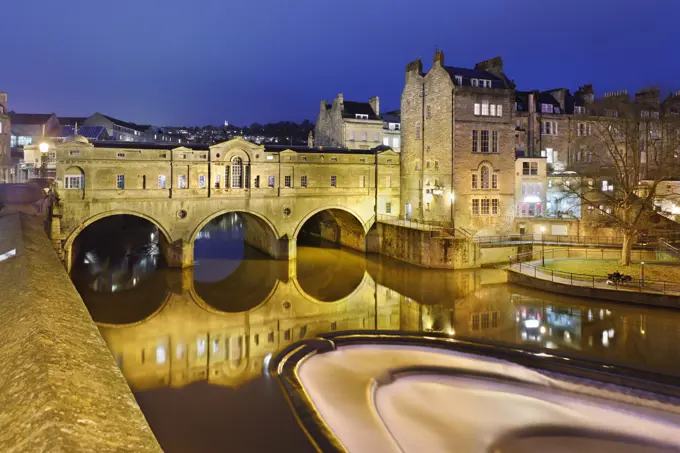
(534, 269)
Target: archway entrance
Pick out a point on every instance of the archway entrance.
(115, 267)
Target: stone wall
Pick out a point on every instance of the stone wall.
(61, 389)
(427, 248)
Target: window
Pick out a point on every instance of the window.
(584, 129)
(474, 82)
(485, 141)
(361, 116)
(388, 207)
(606, 187)
(493, 109)
(428, 111)
(120, 182)
(74, 182)
(494, 181)
(486, 83)
(334, 181)
(217, 181)
(161, 181)
(494, 141)
(303, 181)
(494, 206)
(485, 108)
(475, 207)
(182, 181)
(120, 155)
(644, 114)
(395, 142)
(362, 181)
(474, 181)
(270, 182)
(256, 182)
(484, 176)
(485, 207)
(418, 131)
(478, 108)
(549, 128)
(499, 110)
(201, 182)
(334, 325)
(459, 80)
(655, 115)
(546, 108)
(236, 173)
(579, 110)
(474, 141)
(386, 141)
(288, 181)
(530, 168)
(388, 181)
(611, 113)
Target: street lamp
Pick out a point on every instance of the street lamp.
(44, 148)
(543, 244)
(642, 274)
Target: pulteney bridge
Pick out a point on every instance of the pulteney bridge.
(277, 189)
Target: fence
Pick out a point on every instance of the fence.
(417, 224)
(553, 239)
(533, 264)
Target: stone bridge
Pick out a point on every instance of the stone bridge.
(277, 190)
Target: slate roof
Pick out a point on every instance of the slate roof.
(392, 117)
(352, 108)
(522, 99)
(125, 123)
(467, 74)
(30, 118)
(89, 132)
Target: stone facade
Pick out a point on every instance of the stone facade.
(453, 134)
(5, 131)
(354, 125)
(181, 189)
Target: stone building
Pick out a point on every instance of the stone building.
(349, 124)
(392, 130)
(458, 160)
(5, 129)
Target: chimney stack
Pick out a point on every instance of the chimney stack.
(341, 98)
(375, 105)
(492, 65)
(439, 58)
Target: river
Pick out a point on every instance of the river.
(193, 344)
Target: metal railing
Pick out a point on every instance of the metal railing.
(553, 239)
(533, 265)
(665, 246)
(418, 224)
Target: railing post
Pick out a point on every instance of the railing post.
(593, 281)
(534, 271)
(571, 278)
(552, 275)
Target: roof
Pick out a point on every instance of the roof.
(71, 120)
(392, 117)
(145, 145)
(522, 99)
(320, 150)
(125, 123)
(30, 118)
(352, 108)
(89, 132)
(468, 74)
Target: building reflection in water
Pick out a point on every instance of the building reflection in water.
(222, 321)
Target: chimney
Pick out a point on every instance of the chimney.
(492, 65)
(532, 122)
(310, 140)
(439, 58)
(375, 105)
(414, 69)
(341, 98)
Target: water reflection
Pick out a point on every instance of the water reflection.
(220, 321)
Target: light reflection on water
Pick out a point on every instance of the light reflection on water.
(220, 321)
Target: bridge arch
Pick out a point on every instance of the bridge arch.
(350, 229)
(222, 212)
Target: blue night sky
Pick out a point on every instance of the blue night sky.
(180, 62)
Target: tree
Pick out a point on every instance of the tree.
(631, 148)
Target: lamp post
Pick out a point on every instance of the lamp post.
(543, 245)
(642, 274)
(44, 148)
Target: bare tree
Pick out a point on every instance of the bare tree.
(630, 148)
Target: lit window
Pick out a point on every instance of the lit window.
(334, 181)
(120, 182)
(287, 181)
(474, 82)
(474, 181)
(494, 181)
(161, 181)
(485, 206)
(494, 206)
(271, 181)
(546, 108)
(485, 108)
(388, 181)
(200, 347)
(499, 110)
(459, 80)
(395, 142)
(236, 173)
(160, 355)
(493, 109)
(485, 141)
(270, 157)
(605, 185)
(579, 110)
(478, 108)
(74, 182)
(386, 141)
(303, 181)
(182, 181)
(388, 207)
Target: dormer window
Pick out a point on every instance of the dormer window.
(485, 83)
(459, 80)
(579, 110)
(361, 116)
(474, 82)
(546, 108)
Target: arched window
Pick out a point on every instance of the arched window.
(236, 173)
(484, 177)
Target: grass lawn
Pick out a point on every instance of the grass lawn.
(665, 272)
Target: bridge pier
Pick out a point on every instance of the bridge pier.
(178, 254)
